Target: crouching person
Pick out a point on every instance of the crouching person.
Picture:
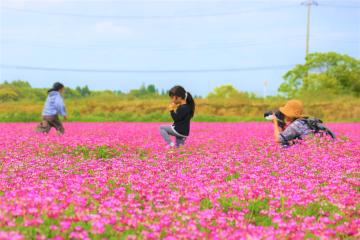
(54, 106)
(297, 125)
(182, 110)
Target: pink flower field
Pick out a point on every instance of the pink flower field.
(230, 181)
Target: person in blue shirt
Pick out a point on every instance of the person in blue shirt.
(182, 109)
(297, 126)
(54, 106)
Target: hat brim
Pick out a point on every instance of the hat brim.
(288, 113)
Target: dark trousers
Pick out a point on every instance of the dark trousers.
(49, 122)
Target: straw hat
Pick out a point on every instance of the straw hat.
(293, 108)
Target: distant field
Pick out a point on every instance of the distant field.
(95, 109)
(230, 181)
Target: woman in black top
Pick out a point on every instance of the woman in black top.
(182, 109)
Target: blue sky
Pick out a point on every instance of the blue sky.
(169, 35)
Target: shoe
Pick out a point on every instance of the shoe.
(170, 146)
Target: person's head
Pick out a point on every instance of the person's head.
(179, 95)
(58, 87)
(292, 110)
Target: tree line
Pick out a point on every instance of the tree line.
(322, 74)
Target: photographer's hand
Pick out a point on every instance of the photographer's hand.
(276, 129)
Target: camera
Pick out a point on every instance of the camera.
(268, 115)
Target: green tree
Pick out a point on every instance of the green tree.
(151, 89)
(19, 84)
(144, 91)
(323, 72)
(71, 93)
(15, 90)
(118, 92)
(38, 94)
(78, 89)
(224, 91)
(229, 91)
(83, 91)
(8, 94)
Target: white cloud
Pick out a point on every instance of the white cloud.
(109, 28)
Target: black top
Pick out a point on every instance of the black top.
(182, 117)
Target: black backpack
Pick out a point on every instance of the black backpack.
(317, 126)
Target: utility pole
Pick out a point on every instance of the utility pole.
(308, 3)
(265, 88)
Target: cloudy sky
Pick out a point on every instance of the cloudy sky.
(200, 44)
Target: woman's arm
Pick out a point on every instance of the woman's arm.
(60, 106)
(276, 130)
(180, 114)
(287, 135)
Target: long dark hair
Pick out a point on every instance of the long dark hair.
(179, 91)
(56, 87)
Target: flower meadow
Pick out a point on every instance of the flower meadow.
(230, 181)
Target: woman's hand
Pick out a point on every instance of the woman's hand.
(274, 118)
(276, 129)
(172, 107)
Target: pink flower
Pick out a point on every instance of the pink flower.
(54, 228)
(97, 227)
(10, 235)
(57, 238)
(65, 225)
(230, 181)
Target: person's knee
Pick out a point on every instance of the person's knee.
(163, 129)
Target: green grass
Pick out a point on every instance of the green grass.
(19, 117)
(132, 117)
(31, 232)
(96, 152)
(124, 117)
(232, 176)
(255, 216)
(315, 209)
(228, 202)
(310, 235)
(205, 203)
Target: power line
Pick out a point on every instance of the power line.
(218, 45)
(54, 69)
(146, 17)
(205, 15)
(213, 46)
(340, 6)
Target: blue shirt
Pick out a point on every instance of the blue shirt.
(296, 130)
(54, 105)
